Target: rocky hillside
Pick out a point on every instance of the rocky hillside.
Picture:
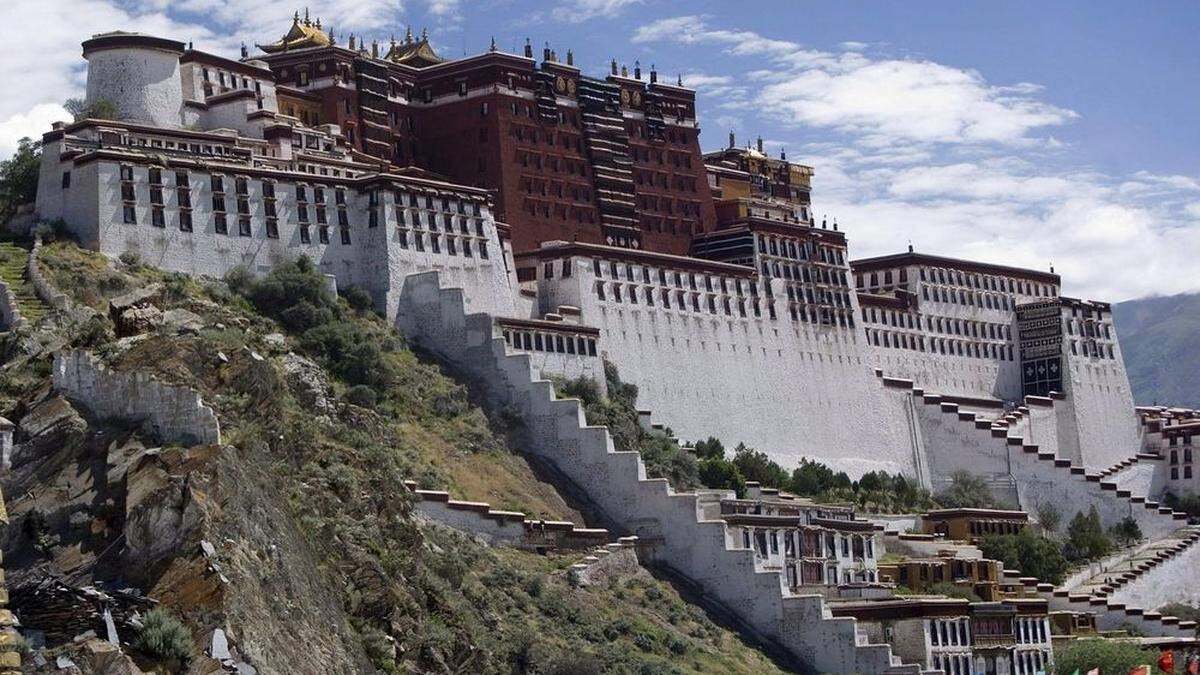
(295, 536)
(1158, 338)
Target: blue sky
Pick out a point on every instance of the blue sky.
(1016, 132)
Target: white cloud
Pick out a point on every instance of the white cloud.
(31, 124)
(886, 100)
(578, 11)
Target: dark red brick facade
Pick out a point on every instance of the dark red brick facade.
(609, 161)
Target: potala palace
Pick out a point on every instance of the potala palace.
(522, 220)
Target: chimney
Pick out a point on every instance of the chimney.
(637, 70)
(528, 49)
(653, 74)
(732, 142)
(759, 143)
(570, 58)
(614, 66)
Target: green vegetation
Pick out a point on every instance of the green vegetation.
(1110, 656)
(966, 491)
(1086, 539)
(618, 411)
(102, 109)
(18, 177)
(1180, 610)
(1029, 552)
(954, 591)
(1188, 502)
(165, 638)
(1126, 533)
(327, 486)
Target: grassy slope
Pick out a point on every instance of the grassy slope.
(1159, 338)
(330, 496)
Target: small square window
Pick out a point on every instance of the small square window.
(66, 179)
(244, 226)
(220, 225)
(185, 221)
(130, 215)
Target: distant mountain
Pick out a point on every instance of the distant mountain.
(1160, 338)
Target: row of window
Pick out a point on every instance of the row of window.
(961, 296)
(663, 277)
(950, 632)
(801, 250)
(765, 541)
(1030, 662)
(818, 296)
(938, 324)
(551, 342)
(1092, 348)
(453, 245)
(953, 664)
(668, 205)
(917, 343)
(1187, 472)
(699, 302)
(985, 282)
(1091, 329)
(1030, 630)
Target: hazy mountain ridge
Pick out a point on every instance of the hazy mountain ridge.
(1160, 338)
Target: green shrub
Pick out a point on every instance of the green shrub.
(721, 474)
(954, 591)
(1127, 532)
(709, 449)
(966, 491)
(362, 395)
(358, 298)
(1110, 656)
(165, 638)
(1029, 552)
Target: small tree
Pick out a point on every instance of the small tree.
(1049, 517)
(19, 177)
(1086, 539)
(1031, 553)
(1127, 532)
(721, 474)
(966, 491)
(101, 109)
(710, 449)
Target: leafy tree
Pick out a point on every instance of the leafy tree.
(1031, 553)
(1049, 517)
(1086, 539)
(812, 478)
(1110, 656)
(102, 109)
(1126, 532)
(709, 449)
(757, 466)
(1188, 502)
(19, 177)
(967, 491)
(721, 474)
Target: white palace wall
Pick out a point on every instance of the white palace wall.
(1105, 425)
(92, 207)
(790, 389)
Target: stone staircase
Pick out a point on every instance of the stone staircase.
(13, 261)
(670, 530)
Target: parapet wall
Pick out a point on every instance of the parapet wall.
(955, 439)
(175, 414)
(510, 528)
(667, 523)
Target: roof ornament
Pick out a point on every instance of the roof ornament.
(1051, 268)
(245, 51)
(732, 140)
(637, 70)
(679, 80)
(408, 35)
(624, 70)
(653, 74)
(332, 38)
(910, 246)
(783, 154)
(570, 57)
(613, 65)
(306, 21)
(823, 227)
(528, 49)
(835, 224)
(296, 17)
(352, 42)
(318, 23)
(424, 35)
(493, 47)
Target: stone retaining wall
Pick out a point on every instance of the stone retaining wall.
(667, 523)
(510, 528)
(46, 292)
(10, 314)
(175, 414)
(608, 563)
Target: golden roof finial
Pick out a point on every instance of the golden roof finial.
(306, 21)
(424, 34)
(408, 35)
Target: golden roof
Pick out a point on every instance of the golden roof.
(416, 53)
(302, 34)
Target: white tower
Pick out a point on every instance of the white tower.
(138, 75)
